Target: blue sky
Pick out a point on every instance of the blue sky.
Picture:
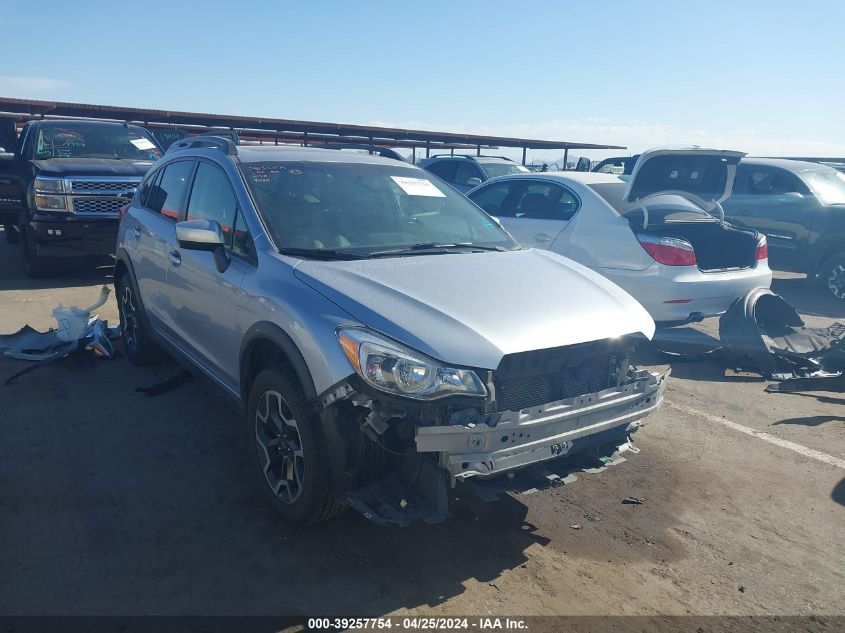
(761, 76)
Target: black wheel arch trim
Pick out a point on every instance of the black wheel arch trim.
(264, 330)
(833, 246)
(122, 257)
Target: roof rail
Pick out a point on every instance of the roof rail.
(224, 145)
(470, 156)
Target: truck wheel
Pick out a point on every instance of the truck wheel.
(832, 275)
(289, 449)
(137, 344)
(36, 267)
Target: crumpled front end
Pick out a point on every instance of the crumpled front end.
(396, 459)
(486, 445)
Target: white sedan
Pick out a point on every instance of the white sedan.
(659, 233)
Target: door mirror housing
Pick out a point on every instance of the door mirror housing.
(204, 235)
(793, 196)
(473, 182)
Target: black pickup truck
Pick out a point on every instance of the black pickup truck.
(800, 206)
(64, 183)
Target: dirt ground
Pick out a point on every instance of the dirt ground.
(112, 502)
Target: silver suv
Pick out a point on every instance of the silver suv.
(384, 337)
(466, 172)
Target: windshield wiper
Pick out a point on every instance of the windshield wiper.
(435, 248)
(321, 253)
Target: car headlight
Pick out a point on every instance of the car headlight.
(50, 203)
(391, 367)
(49, 185)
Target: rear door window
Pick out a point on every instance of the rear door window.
(465, 172)
(546, 201)
(145, 193)
(770, 181)
(167, 195)
(212, 198)
(444, 169)
(491, 198)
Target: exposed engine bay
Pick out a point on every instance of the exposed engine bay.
(551, 408)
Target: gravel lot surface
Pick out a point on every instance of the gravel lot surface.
(116, 503)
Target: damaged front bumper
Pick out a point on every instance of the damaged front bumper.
(486, 445)
(396, 463)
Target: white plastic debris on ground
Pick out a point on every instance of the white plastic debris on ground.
(76, 331)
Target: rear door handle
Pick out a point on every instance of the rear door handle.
(175, 258)
(543, 237)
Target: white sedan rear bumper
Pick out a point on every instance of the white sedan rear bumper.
(683, 293)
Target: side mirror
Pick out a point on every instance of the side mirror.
(204, 235)
(473, 182)
(793, 196)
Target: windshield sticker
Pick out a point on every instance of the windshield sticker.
(142, 143)
(264, 173)
(418, 187)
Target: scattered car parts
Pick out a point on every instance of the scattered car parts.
(762, 333)
(76, 331)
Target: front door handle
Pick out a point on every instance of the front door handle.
(175, 258)
(543, 237)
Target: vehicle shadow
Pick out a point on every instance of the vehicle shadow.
(160, 493)
(811, 420)
(815, 396)
(70, 273)
(838, 493)
(808, 297)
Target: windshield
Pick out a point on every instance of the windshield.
(363, 208)
(91, 140)
(502, 169)
(828, 185)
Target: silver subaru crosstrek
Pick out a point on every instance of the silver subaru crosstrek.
(384, 337)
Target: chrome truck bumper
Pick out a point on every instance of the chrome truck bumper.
(487, 445)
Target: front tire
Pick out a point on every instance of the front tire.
(289, 449)
(137, 344)
(832, 276)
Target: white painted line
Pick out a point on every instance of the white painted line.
(792, 446)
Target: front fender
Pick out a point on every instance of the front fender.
(264, 330)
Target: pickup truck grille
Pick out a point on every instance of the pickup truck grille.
(104, 186)
(100, 196)
(98, 205)
(529, 379)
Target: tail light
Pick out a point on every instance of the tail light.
(122, 211)
(669, 251)
(762, 249)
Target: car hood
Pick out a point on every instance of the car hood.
(92, 167)
(471, 309)
(704, 176)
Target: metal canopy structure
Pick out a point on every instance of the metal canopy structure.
(262, 129)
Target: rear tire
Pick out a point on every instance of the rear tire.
(289, 449)
(137, 344)
(832, 276)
